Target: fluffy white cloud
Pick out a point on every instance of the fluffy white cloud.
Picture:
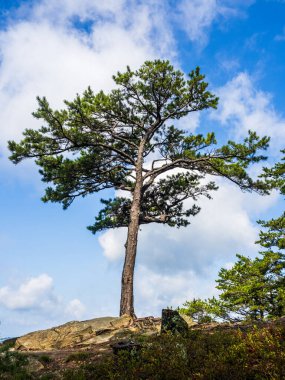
(244, 107)
(42, 53)
(113, 242)
(86, 9)
(36, 292)
(189, 123)
(37, 295)
(155, 291)
(42, 56)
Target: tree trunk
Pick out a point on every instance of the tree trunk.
(127, 289)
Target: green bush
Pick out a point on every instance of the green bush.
(12, 366)
(232, 354)
(219, 355)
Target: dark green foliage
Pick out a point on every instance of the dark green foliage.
(116, 213)
(274, 235)
(253, 289)
(275, 176)
(162, 202)
(13, 366)
(48, 376)
(77, 374)
(93, 144)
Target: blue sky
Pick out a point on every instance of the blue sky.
(52, 269)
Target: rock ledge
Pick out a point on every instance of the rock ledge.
(85, 334)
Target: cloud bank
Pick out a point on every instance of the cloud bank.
(37, 294)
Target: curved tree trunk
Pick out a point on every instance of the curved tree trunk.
(127, 289)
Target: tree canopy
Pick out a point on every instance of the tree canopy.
(103, 133)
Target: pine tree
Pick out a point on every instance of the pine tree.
(274, 235)
(124, 140)
(253, 289)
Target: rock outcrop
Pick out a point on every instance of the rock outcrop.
(79, 335)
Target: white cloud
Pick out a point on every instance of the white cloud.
(40, 56)
(85, 9)
(36, 292)
(222, 229)
(155, 291)
(113, 242)
(36, 295)
(75, 309)
(189, 123)
(228, 62)
(244, 107)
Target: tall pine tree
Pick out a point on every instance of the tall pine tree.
(125, 140)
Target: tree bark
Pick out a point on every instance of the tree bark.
(127, 288)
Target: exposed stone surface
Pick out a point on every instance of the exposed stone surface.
(188, 320)
(98, 331)
(86, 333)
